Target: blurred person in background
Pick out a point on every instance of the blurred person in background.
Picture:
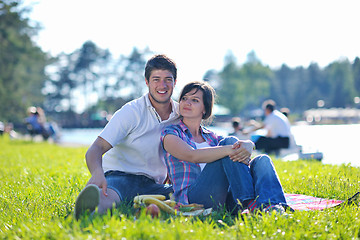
(277, 128)
(238, 129)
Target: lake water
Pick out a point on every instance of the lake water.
(338, 143)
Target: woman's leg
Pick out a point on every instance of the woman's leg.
(238, 174)
(211, 187)
(220, 177)
(268, 189)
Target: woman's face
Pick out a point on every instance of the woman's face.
(192, 104)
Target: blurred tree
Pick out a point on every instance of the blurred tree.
(130, 72)
(22, 63)
(298, 87)
(341, 80)
(74, 77)
(60, 84)
(228, 91)
(317, 87)
(255, 82)
(89, 79)
(281, 84)
(89, 66)
(243, 87)
(212, 77)
(356, 74)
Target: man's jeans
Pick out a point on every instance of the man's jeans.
(128, 185)
(225, 181)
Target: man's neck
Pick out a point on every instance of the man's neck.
(163, 109)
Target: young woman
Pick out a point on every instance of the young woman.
(229, 177)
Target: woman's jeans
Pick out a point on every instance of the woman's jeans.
(227, 182)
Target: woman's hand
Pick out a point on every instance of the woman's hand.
(242, 151)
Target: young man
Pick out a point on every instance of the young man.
(278, 129)
(126, 159)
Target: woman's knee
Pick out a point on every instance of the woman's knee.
(230, 140)
(261, 160)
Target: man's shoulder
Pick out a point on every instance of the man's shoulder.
(136, 105)
(273, 115)
(279, 115)
(138, 102)
(130, 112)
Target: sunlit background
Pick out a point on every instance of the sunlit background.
(198, 34)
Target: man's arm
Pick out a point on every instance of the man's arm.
(94, 163)
(254, 126)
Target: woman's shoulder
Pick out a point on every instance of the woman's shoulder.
(172, 128)
(206, 130)
(211, 134)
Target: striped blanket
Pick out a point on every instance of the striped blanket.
(306, 203)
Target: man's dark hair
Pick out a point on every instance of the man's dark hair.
(236, 122)
(160, 62)
(270, 105)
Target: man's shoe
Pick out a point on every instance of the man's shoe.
(88, 199)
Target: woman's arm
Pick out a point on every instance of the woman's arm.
(181, 150)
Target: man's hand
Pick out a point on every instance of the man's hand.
(99, 180)
(94, 163)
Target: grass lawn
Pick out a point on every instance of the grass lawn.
(40, 182)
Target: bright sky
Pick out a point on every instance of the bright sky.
(197, 34)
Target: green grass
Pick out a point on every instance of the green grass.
(40, 182)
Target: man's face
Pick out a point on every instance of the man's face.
(161, 85)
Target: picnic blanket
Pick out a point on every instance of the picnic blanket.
(306, 203)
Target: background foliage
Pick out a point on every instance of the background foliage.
(243, 88)
(81, 88)
(22, 63)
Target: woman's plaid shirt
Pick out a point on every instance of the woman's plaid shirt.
(182, 173)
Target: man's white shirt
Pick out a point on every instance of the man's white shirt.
(134, 132)
(278, 124)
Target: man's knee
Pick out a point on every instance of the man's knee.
(108, 202)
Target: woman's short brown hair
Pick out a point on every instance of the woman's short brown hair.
(208, 95)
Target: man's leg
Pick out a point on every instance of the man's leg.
(109, 201)
(263, 143)
(283, 142)
(271, 145)
(121, 187)
(127, 185)
(89, 199)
